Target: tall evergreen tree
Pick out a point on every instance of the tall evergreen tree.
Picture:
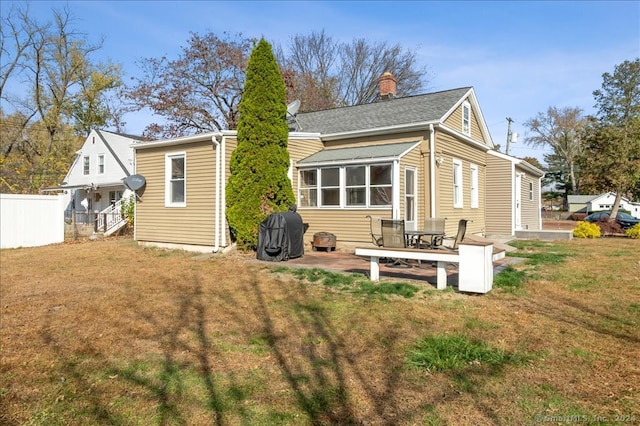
(259, 185)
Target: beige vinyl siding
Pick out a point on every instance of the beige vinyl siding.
(348, 225)
(377, 140)
(499, 196)
(449, 149)
(299, 149)
(193, 224)
(530, 207)
(454, 121)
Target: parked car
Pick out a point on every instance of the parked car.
(625, 220)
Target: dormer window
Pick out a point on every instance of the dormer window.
(466, 118)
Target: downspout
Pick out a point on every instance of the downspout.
(223, 187)
(432, 171)
(216, 238)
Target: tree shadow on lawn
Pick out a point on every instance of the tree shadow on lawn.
(201, 342)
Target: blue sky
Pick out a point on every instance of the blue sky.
(521, 57)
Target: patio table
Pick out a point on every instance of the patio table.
(415, 237)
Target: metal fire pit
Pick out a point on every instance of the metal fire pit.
(324, 240)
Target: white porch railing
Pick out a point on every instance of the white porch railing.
(110, 219)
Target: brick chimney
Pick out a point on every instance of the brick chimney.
(387, 86)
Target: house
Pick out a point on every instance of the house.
(94, 183)
(513, 195)
(593, 203)
(409, 158)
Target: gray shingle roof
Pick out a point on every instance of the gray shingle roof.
(392, 112)
(579, 199)
(359, 153)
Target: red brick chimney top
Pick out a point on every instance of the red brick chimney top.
(387, 85)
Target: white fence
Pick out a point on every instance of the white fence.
(31, 220)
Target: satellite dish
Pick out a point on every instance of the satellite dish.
(134, 182)
(292, 108)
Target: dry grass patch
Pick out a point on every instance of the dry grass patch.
(107, 332)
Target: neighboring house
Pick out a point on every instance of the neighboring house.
(513, 195)
(94, 182)
(578, 203)
(409, 158)
(594, 203)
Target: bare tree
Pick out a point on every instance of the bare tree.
(362, 63)
(197, 92)
(326, 73)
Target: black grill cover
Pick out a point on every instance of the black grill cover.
(280, 237)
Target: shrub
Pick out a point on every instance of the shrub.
(633, 232)
(128, 209)
(586, 230)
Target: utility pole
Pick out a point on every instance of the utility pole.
(511, 137)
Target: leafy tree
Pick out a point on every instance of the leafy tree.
(258, 184)
(611, 157)
(197, 92)
(560, 130)
(534, 162)
(48, 84)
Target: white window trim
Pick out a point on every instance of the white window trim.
(342, 186)
(458, 188)
(473, 168)
(364, 186)
(414, 213)
(531, 191)
(86, 160)
(466, 130)
(167, 179)
(101, 156)
(302, 187)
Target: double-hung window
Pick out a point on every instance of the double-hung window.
(530, 191)
(356, 185)
(100, 164)
(457, 184)
(330, 186)
(380, 185)
(86, 165)
(175, 180)
(308, 194)
(474, 186)
(466, 118)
